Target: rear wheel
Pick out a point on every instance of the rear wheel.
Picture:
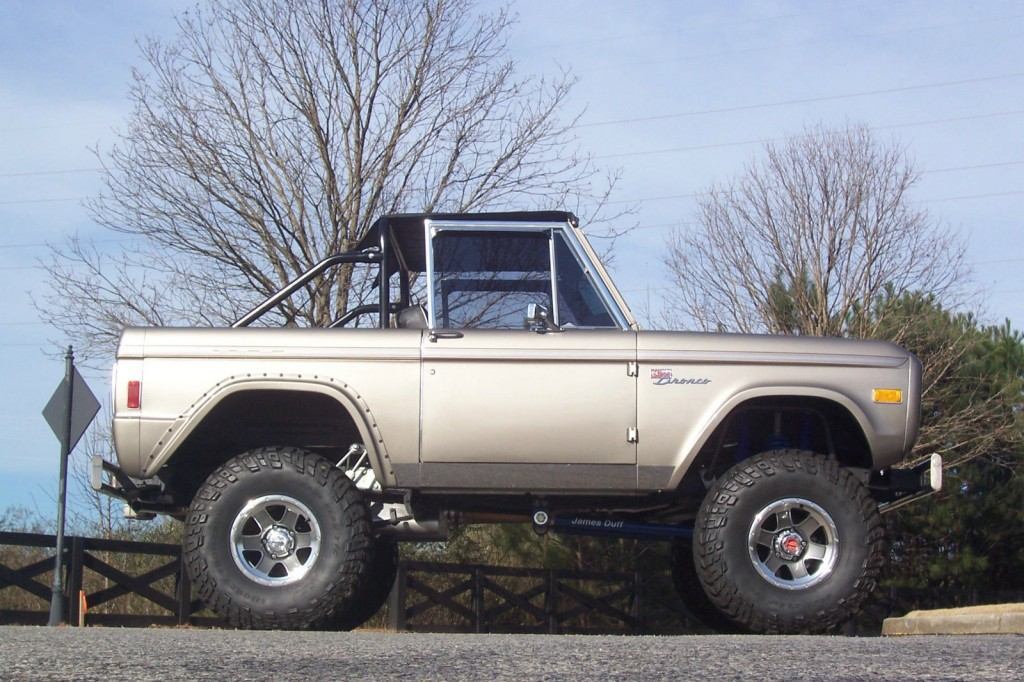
(276, 538)
(788, 541)
(372, 595)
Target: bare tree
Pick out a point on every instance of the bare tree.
(271, 133)
(821, 237)
(808, 238)
(971, 383)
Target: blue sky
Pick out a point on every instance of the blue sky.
(675, 94)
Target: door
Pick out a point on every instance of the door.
(527, 397)
(497, 389)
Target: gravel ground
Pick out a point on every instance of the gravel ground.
(188, 654)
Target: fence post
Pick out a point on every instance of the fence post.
(551, 602)
(478, 600)
(637, 611)
(396, 601)
(75, 580)
(183, 591)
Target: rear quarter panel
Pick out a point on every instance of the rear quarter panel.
(186, 372)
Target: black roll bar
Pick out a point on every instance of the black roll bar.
(385, 287)
(370, 255)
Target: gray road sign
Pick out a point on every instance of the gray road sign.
(84, 407)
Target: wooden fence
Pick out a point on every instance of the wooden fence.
(100, 582)
(435, 597)
(426, 597)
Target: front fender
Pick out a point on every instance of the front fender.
(691, 446)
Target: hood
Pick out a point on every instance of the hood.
(770, 348)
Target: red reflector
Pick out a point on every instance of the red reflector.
(134, 394)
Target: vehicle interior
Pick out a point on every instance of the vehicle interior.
(485, 270)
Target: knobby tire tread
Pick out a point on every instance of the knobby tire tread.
(350, 505)
(714, 516)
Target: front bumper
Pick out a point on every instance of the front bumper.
(894, 488)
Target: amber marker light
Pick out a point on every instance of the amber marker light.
(134, 395)
(889, 396)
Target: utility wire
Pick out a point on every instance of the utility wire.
(41, 201)
(24, 245)
(675, 33)
(649, 152)
(693, 195)
(804, 100)
(805, 43)
(689, 195)
(766, 140)
(66, 171)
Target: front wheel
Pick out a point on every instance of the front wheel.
(277, 538)
(691, 592)
(787, 541)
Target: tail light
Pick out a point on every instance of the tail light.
(134, 397)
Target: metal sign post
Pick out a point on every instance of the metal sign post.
(70, 411)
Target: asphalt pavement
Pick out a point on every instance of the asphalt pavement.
(95, 653)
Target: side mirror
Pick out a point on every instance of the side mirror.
(538, 319)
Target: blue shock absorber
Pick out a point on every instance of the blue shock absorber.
(743, 442)
(778, 440)
(807, 431)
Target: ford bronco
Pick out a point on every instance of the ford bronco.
(497, 374)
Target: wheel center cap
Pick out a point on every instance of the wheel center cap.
(279, 542)
(789, 545)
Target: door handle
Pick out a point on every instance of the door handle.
(435, 335)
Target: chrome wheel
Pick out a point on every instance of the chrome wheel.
(793, 543)
(275, 540)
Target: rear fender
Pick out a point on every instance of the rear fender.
(347, 396)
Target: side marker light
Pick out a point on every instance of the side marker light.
(889, 396)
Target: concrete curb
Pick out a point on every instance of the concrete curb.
(998, 619)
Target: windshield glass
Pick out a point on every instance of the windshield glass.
(579, 304)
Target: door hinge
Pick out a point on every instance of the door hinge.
(631, 435)
(632, 369)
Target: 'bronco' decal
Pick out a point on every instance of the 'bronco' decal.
(662, 377)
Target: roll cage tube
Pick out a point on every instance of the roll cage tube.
(370, 255)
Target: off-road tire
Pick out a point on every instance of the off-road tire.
(372, 595)
(344, 549)
(729, 573)
(691, 592)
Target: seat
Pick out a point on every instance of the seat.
(412, 317)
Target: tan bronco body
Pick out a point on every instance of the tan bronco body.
(472, 403)
(547, 411)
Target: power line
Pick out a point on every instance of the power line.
(805, 43)
(649, 152)
(996, 260)
(66, 171)
(805, 100)
(973, 196)
(693, 195)
(690, 195)
(974, 167)
(25, 245)
(766, 140)
(665, 150)
(41, 201)
(674, 32)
